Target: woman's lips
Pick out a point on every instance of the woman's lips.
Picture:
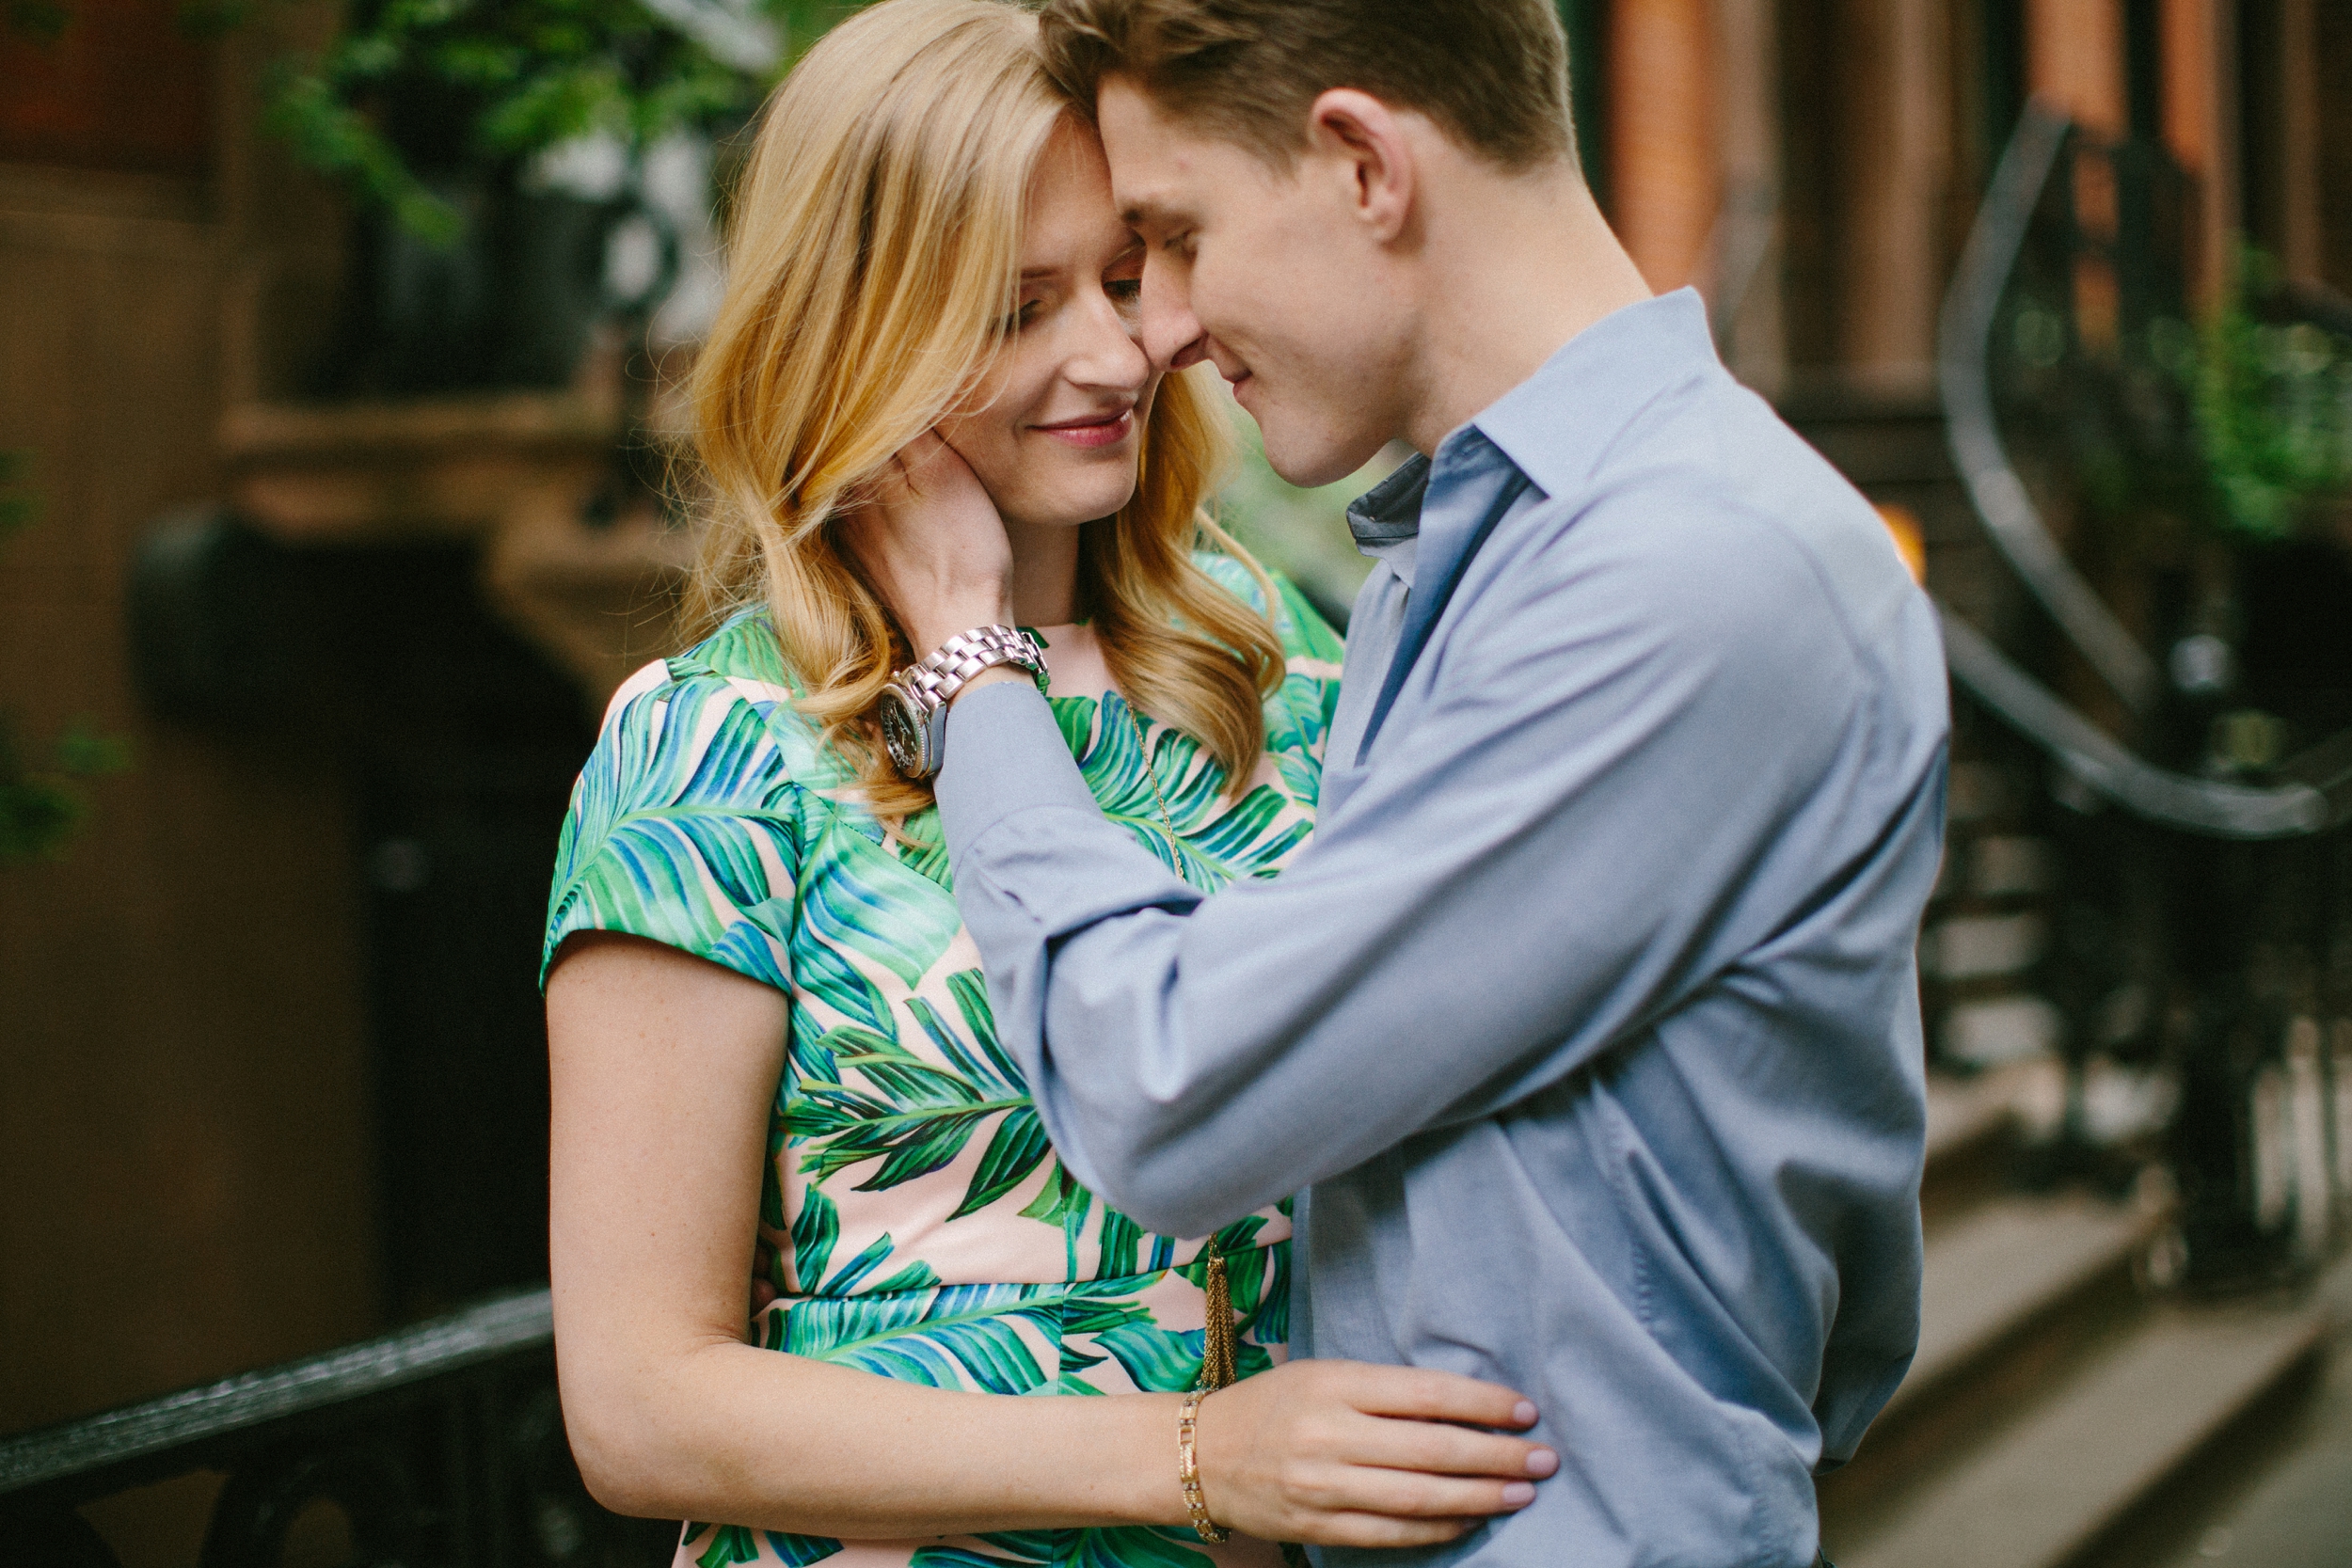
(1093, 432)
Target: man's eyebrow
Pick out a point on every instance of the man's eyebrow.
(1144, 209)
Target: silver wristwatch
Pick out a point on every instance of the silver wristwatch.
(914, 704)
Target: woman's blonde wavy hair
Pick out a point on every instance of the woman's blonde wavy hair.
(874, 258)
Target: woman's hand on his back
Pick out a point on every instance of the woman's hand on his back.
(934, 546)
(1346, 1453)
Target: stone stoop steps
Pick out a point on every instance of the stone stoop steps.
(2051, 1397)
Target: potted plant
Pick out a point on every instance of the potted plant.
(521, 168)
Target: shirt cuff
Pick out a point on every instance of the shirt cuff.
(1005, 755)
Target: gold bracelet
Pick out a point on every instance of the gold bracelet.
(1188, 1470)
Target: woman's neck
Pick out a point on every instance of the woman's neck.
(1044, 573)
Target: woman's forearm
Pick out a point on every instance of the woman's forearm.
(730, 1432)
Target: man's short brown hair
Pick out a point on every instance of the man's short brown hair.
(1492, 74)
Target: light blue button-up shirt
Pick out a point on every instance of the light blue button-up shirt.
(1587, 1025)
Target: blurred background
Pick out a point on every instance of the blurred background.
(339, 351)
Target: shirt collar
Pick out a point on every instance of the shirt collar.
(1390, 510)
(1555, 425)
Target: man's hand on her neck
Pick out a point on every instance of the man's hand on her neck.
(935, 547)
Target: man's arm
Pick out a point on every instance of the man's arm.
(1577, 832)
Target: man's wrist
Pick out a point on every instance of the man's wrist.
(995, 675)
(1005, 755)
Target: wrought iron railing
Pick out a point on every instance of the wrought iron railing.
(439, 1445)
(2237, 895)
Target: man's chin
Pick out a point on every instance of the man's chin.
(1310, 462)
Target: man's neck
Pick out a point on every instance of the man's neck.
(1514, 266)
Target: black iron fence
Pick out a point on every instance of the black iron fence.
(440, 1445)
(2204, 918)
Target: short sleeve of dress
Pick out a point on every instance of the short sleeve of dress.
(686, 826)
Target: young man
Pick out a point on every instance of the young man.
(1587, 1028)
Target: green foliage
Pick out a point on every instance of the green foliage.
(501, 80)
(2274, 412)
(1300, 533)
(523, 76)
(44, 20)
(39, 804)
(2242, 426)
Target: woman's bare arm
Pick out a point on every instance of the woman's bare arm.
(665, 1067)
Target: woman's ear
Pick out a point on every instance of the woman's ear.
(1364, 146)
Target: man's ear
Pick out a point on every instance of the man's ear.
(1367, 143)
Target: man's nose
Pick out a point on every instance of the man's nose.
(1171, 335)
(1109, 354)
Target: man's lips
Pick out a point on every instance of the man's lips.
(1095, 429)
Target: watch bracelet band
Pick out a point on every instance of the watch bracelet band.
(944, 672)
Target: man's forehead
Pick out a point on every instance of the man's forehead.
(1155, 159)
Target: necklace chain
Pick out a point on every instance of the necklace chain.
(1217, 1343)
(1142, 747)
(1148, 771)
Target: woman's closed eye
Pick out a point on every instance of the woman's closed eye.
(1122, 280)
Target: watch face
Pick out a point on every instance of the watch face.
(903, 733)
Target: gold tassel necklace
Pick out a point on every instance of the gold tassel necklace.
(1216, 1348)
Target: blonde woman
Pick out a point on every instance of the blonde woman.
(767, 1024)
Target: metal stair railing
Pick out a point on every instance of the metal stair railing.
(2228, 904)
(2319, 796)
(1963, 376)
(442, 1443)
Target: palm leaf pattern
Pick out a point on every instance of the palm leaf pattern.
(920, 1225)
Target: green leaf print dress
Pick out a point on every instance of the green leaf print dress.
(922, 1227)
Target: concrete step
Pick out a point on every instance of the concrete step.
(2016, 1289)
(1999, 1272)
(2277, 1493)
(1964, 1112)
(2067, 1468)
(1972, 1124)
